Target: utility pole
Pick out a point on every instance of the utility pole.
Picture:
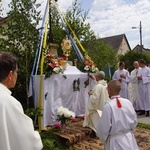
(140, 29)
(141, 37)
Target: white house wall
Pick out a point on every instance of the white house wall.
(124, 48)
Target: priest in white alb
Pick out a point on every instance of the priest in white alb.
(143, 77)
(98, 96)
(16, 128)
(133, 86)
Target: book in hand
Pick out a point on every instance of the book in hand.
(99, 112)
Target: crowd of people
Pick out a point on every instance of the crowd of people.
(127, 93)
(135, 86)
(117, 102)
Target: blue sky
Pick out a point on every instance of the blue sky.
(86, 4)
(114, 17)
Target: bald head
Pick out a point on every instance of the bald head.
(101, 74)
(136, 64)
(114, 87)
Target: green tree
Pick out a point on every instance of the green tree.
(75, 17)
(101, 53)
(132, 56)
(21, 38)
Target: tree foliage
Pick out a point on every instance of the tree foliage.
(21, 38)
(75, 18)
(132, 56)
(101, 53)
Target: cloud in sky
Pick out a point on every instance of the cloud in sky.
(114, 17)
(119, 16)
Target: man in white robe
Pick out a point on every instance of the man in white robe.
(122, 75)
(133, 86)
(98, 96)
(118, 121)
(148, 64)
(16, 129)
(143, 78)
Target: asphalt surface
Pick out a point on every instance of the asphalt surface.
(143, 119)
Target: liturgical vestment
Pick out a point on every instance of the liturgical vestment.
(133, 89)
(116, 125)
(144, 89)
(16, 129)
(96, 101)
(124, 81)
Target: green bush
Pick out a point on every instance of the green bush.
(52, 141)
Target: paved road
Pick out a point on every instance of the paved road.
(143, 119)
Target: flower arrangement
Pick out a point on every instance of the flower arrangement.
(90, 66)
(66, 120)
(53, 65)
(64, 114)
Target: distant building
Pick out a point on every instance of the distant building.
(144, 50)
(119, 43)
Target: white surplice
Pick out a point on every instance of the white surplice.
(124, 81)
(116, 125)
(133, 88)
(16, 129)
(96, 101)
(144, 88)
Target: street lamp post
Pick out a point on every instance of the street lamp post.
(140, 29)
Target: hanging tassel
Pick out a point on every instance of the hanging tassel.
(118, 103)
